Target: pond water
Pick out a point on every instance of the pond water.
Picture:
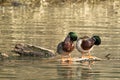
(46, 26)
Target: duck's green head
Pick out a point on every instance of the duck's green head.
(97, 40)
(73, 36)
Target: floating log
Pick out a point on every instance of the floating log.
(3, 56)
(78, 59)
(86, 59)
(30, 50)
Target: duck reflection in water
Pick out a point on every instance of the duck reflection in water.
(66, 71)
(70, 71)
(85, 73)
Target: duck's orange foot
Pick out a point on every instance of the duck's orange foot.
(63, 59)
(68, 60)
(89, 57)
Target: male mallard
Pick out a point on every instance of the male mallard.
(67, 46)
(85, 45)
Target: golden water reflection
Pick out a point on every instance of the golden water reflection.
(46, 25)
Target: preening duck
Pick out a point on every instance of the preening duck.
(86, 44)
(65, 47)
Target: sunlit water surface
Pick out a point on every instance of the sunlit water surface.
(46, 26)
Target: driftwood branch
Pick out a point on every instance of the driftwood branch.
(30, 50)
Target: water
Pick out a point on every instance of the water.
(46, 26)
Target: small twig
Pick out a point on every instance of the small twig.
(108, 56)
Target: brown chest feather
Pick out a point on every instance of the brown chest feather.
(86, 45)
(68, 47)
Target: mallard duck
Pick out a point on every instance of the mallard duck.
(86, 44)
(65, 47)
